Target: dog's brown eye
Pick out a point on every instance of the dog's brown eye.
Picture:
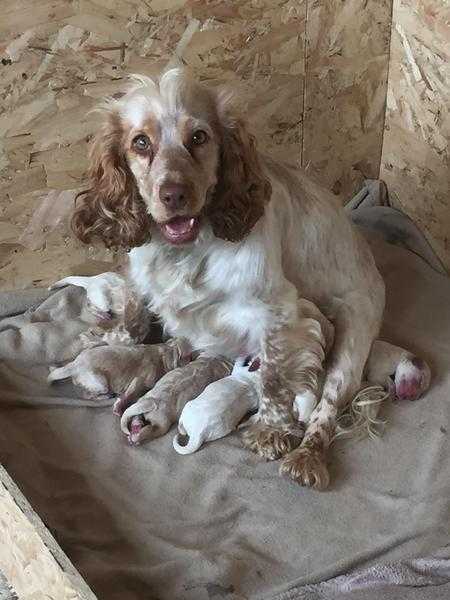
(141, 143)
(199, 137)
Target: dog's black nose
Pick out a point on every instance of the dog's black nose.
(173, 195)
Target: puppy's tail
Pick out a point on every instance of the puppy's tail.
(60, 373)
(185, 444)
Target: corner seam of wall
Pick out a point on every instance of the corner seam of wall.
(388, 73)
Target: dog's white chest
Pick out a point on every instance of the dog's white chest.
(213, 301)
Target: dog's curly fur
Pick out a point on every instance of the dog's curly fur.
(113, 210)
(244, 191)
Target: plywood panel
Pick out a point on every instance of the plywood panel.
(416, 157)
(60, 57)
(30, 559)
(346, 73)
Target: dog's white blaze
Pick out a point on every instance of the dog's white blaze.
(136, 110)
(139, 108)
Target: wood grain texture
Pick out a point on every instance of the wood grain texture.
(416, 157)
(30, 559)
(345, 90)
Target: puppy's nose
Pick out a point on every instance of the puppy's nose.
(173, 195)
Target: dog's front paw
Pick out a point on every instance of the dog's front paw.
(307, 467)
(271, 442)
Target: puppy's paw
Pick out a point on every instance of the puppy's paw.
(412, 378)
(142, 431)
(270, 442)
(129, 396)
(307, 467)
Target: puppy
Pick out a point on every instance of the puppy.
(108, 371)
(218, 410)
(153, 414)
(105, 293)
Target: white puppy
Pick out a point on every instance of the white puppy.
(218, 410)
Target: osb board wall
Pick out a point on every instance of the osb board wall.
(345, 90)
(416, 157)
(31, 562)
(59, 57)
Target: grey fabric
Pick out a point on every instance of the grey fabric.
(409, 579)
(146, 523)
(370, 209)
(43, 334)
(15, 303)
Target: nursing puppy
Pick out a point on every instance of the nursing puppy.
(108, 371)
(218, 410)
(153, 414)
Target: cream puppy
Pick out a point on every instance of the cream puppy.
(218, 410)
(109, 370)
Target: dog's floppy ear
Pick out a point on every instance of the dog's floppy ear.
(111, 209)
(242, 190)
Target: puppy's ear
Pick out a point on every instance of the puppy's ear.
(111, 209)
(242, 189)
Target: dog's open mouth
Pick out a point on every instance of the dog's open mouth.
(180, 230)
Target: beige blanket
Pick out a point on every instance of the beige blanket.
(146, 523)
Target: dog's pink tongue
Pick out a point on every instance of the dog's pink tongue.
(180, 230)
(179, 226)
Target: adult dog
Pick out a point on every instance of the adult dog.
(224, 240)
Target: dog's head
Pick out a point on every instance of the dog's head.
(171, 156)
